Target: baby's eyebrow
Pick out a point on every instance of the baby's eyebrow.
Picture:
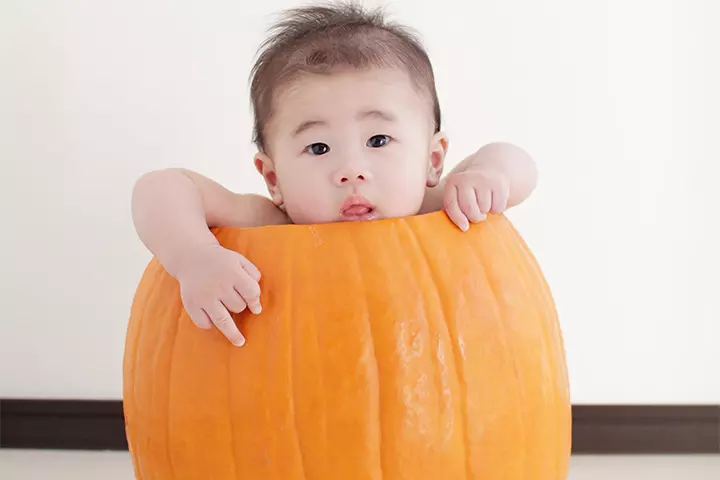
(307, 125)
(388, 117)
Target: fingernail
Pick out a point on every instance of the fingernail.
(239, 343)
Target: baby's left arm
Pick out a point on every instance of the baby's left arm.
(493, 179)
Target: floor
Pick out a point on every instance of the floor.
(62, 465)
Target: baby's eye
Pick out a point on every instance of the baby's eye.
(317, 149)
(378, 141)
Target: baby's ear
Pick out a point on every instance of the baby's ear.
(266, 167)
(438, 149)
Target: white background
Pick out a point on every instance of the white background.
(617, 101)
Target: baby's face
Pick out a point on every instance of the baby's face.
(352, 145)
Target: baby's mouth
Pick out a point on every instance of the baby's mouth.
(357, 210)
(357, 207)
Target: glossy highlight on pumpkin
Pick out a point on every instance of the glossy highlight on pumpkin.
(397, 349)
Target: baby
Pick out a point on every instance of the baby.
(347, 126)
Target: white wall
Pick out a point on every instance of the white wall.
(617, 101)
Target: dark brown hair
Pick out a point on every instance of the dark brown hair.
(317, 39)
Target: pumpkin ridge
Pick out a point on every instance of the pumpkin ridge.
(291, 350)
(160, 277)
(527, 290)
(454, 351)
(230, 395)
(170, 378)
(233, 441)
(269, 363)
(511, 352)
(480, 264)
(149, 285)
(321, 380)
(548, 297)
(528, 267)
(368, 319)
(542, 284)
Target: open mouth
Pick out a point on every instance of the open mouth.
(357, 207)
(357, 210)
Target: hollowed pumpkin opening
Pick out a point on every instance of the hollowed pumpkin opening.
(391, 349)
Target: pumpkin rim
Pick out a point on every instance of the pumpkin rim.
(341, 224)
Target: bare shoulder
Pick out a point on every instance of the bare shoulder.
(256, 211)
(225, 208)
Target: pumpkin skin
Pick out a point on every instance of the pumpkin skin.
(397, 349)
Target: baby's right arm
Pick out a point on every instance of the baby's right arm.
(172, 212)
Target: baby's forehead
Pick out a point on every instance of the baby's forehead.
(378, 79)
(356, 91)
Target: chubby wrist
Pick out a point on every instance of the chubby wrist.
(510, 162)
(179, 254)
(500, 157)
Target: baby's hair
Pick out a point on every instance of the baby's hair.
(320, 38)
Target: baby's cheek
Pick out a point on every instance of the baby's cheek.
(307, 204)
(406, 186)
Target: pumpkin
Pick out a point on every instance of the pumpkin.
(391, 349)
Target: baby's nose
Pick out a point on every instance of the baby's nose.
(351, 176)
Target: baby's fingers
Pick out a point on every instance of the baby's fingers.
(500, 198)
(233, 301)
(199, 318)
(224, 322)
(470, 205)
(249, 290)
(254, 305)
(251, 269)
(453, 210)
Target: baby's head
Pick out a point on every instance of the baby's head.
(347, 121)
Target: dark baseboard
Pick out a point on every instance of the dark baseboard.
(597, 429)
(645, 429)
(62, 424)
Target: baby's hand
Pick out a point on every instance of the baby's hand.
(215, 281)
(471, 194)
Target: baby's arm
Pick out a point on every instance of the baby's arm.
(493, 179)
(173, 209)
(172, 212)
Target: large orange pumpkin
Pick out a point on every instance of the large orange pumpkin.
(393, 349)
